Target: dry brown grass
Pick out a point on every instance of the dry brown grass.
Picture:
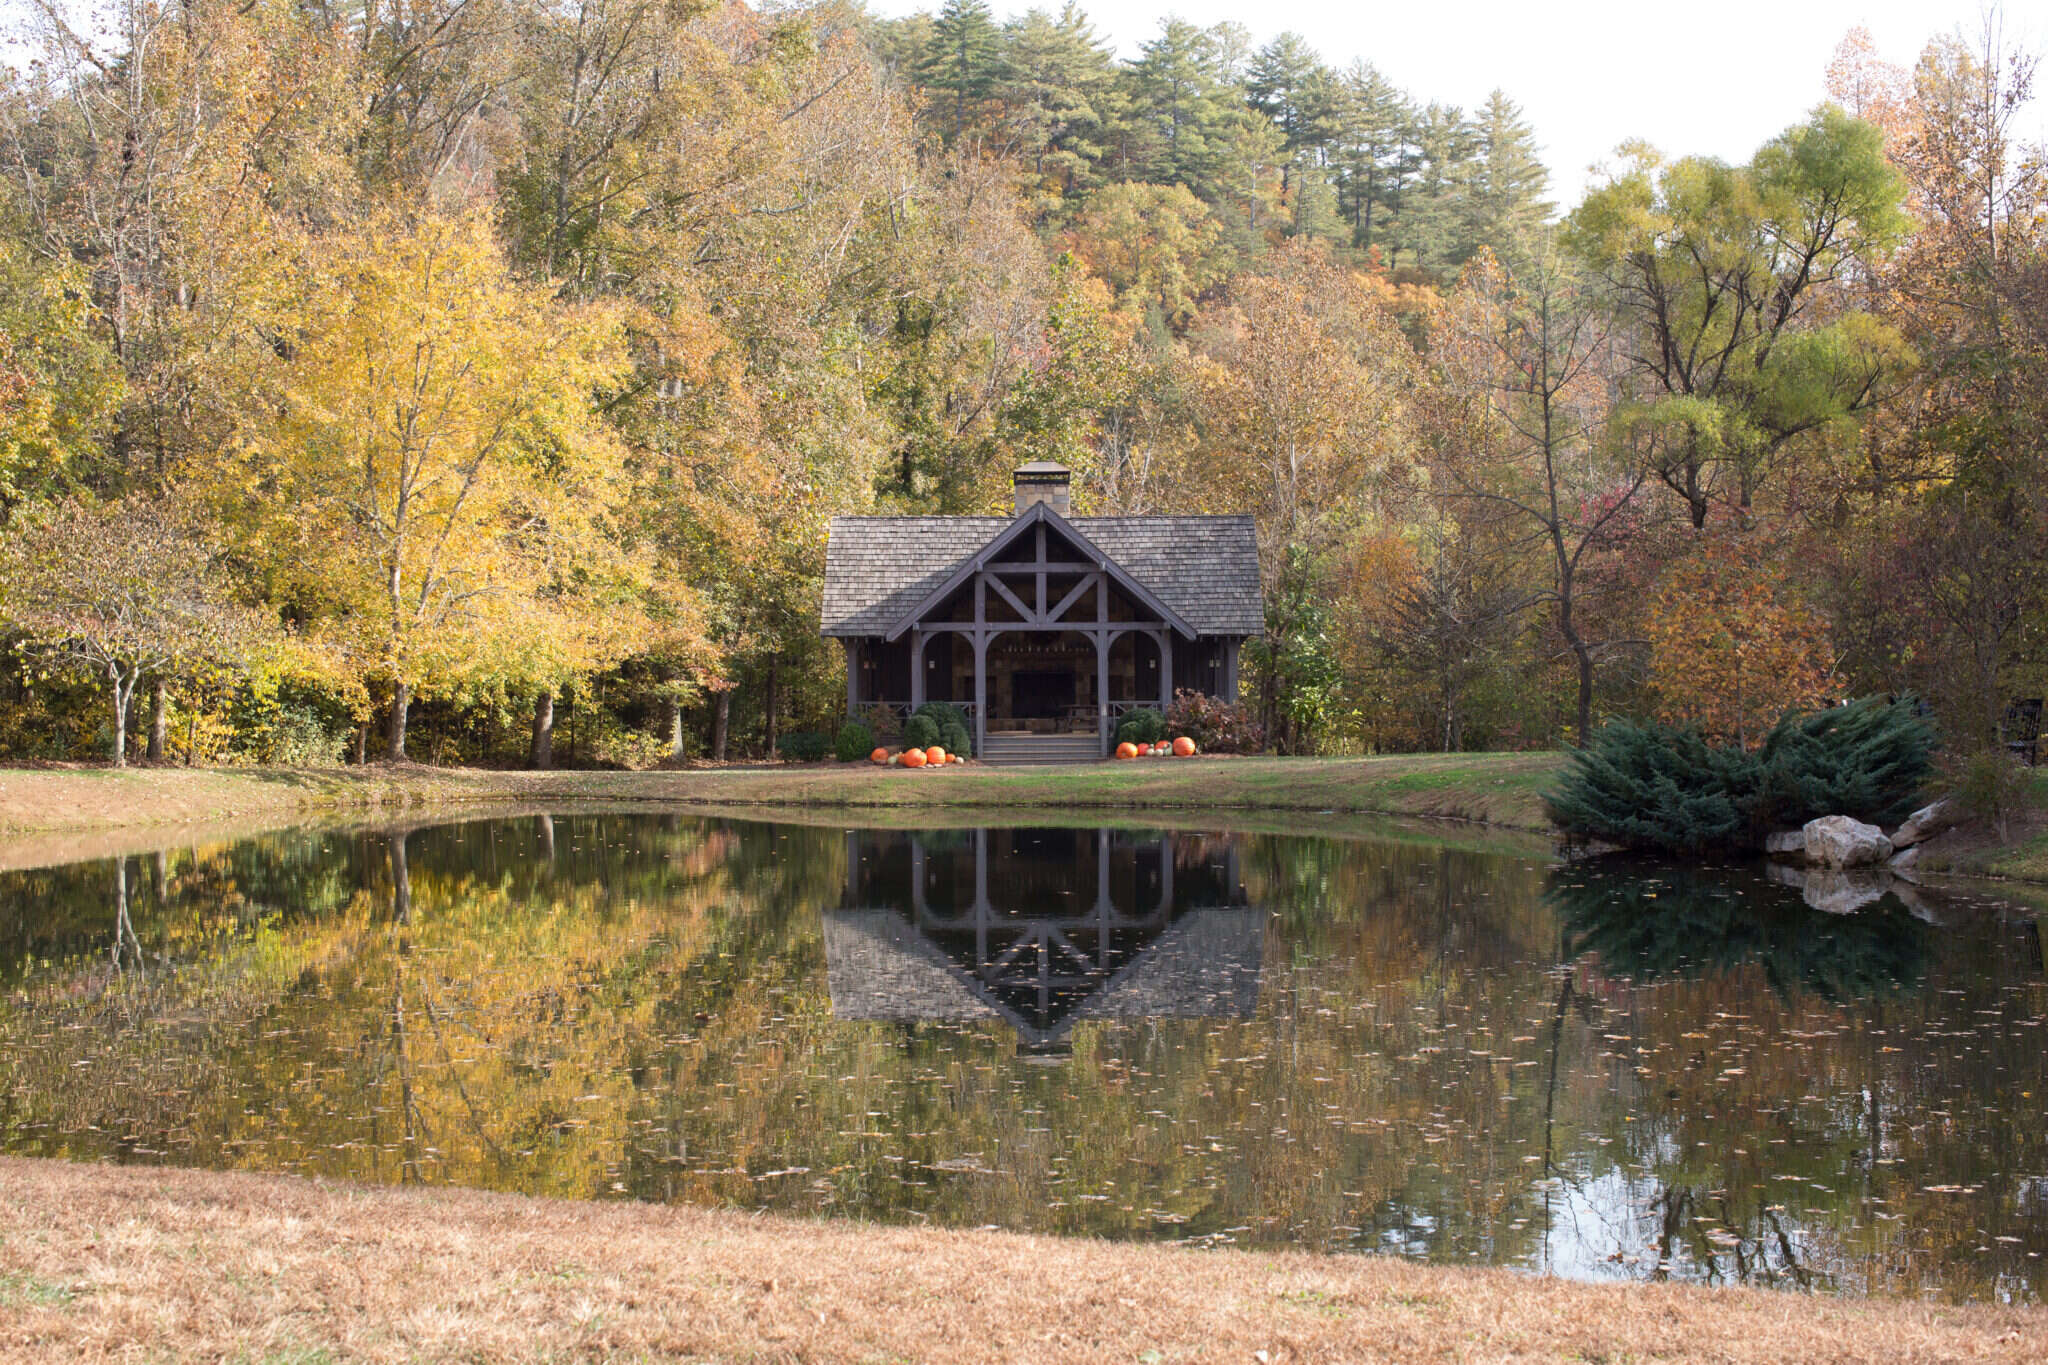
(1495, 789)
(105, 1263)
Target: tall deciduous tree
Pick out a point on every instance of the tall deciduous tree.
(1956, 476)
(439, 467)
(1301, 402)
(170, 150)
(1727, 284)
(1524, 425)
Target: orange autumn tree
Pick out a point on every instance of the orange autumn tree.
(1731, 647)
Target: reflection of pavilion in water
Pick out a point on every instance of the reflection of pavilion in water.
(1041, 927)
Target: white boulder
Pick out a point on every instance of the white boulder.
(1925, 823)
(1786, 843)
(1839, 841)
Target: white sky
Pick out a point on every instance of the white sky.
(1716, 79)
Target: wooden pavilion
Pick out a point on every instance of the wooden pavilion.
(1045, 628)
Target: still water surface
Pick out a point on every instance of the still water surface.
(1353, 1044)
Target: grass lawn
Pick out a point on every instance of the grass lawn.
(2018, 853)
(101, 1263)
(1495, 789)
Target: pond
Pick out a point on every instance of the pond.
(1379, 1043)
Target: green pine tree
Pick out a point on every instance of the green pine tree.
(1505, 195)
(1375, 157)
(962, 64)
(1057, 91)
(1288, 83)
(1435, 225)
(1183, 104)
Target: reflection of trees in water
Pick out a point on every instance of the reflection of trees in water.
(127, 947)
(1655, 922)
(646, 1015)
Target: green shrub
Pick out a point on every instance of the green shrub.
(855, 742)
(1868, 760)
(285, 722)
(954, 737)
(951, 731)
(1656, 787)
(942, 714)
(920, 732)
(1142, 726)
(804, 746)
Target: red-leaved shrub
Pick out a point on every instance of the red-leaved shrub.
(1216, 727)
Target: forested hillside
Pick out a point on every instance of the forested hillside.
(473, 380)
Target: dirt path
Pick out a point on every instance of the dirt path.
(111, 1263)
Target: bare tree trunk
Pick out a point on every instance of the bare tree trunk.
(362, 742)
(721, 722)
(159, 719)
(672, 721)
(1585, 716)
(543, 752)
(774, 669)
(394, 734)
(1583, 654)
(121, 696)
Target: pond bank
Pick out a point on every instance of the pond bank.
(198, 1264)
(1501, 790)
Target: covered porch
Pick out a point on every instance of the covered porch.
(1038, 636)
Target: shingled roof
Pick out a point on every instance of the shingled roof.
(1205, 568)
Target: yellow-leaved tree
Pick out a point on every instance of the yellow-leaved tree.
(441, 486)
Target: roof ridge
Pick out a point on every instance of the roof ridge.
(1078, 516)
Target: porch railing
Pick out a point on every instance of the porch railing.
(1080, 719)
(902, 710)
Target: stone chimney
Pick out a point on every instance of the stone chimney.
(1042, 481)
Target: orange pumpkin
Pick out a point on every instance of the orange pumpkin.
(1183, 747)
(1126, 750)
(879, 756)
(935, 756)
(913, 758)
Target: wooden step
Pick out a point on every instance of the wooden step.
(1043, 749)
